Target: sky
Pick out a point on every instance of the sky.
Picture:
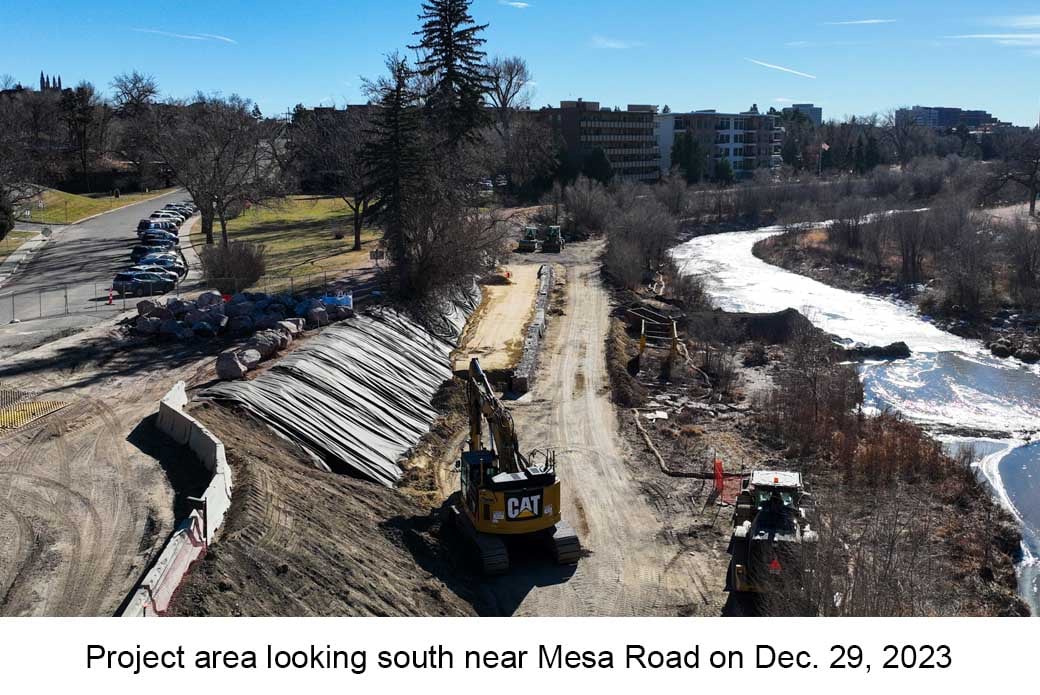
(850, 58)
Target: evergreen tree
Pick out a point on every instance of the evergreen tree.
(43, 83)
(453, 64)
(59, 82)
(724, 172)
(789, 152)
(597, 167)
(860, 157)
(395, 157)
(872, 154)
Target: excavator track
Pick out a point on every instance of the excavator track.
(566, 547)
(491, 550)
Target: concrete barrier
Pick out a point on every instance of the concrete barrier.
(523, 375)
(189, 542)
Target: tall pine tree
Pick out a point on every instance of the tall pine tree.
(452, 63)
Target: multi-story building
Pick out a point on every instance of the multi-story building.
(626, 137)
(749, 140)
(948, 117)
(811, 111)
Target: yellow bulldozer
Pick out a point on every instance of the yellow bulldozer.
(503, 494)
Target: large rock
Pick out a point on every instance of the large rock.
(179, 307)
(145, 307)
(176, 330)
(243, 308)
(196, 316)
(229, 366)
(241, 325)
(1000, 349)
(267, 321)
(291, 326)
(204, 329)
(305, 306)
(1029, 355)
(250, 358)
(161, 313)
(147, 325)
(267, 343)
(211, 298)
(317, 317)
(893, 351)
(339, 313)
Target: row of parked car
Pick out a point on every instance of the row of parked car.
(157, 263)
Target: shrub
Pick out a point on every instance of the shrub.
(234, 267)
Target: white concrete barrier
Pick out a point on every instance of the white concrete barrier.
(188, 543)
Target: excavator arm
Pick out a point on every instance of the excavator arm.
(484, 405)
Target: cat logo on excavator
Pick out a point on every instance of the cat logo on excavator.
(519, 507)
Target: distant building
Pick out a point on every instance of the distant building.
(812, 112)
(948, 117)
(626, 137)
(749, 140)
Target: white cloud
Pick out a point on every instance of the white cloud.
(517, 5)
(798, 44)
(781, 68)
(614, 44)
(853, 22)
(188, 37)
(1023, 21)
(784, 100)
(1019, 39)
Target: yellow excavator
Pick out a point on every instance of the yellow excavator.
(502, 493)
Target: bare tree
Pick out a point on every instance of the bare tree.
(134, 95)
(903, 135)
(509, 82)
(7, 81)
(222, 152)
(328, 146)
(1019, 163)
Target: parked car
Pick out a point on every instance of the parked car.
(159, 235)
(172, 216)
(167, 261)
(158, 226)
(141, 251)
(157, 270)
(141, 284)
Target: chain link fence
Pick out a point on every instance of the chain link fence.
(99, 298)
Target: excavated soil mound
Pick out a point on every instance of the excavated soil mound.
(299, 541)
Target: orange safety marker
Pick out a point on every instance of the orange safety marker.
(110, 296)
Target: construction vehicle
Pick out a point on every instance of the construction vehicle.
(770, 528)
(530, 243)
(554, 242)
(503, 495)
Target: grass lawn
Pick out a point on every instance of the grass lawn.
(62, 208)
(12, 241)
(299, 234)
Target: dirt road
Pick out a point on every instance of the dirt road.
(636, 564)
(84, 502)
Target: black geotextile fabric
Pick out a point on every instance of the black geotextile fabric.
(358, 396)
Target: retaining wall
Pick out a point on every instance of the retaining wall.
(194, 534)
(523, 375)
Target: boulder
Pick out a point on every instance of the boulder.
(146, 325)
(339, 313)
(218, 321)
(284, 338)
(229, 366)
(176, 330)
(305, 306)
(1029, 355)
(145, 307)
(290, 326)
(243, 308)
(299, 323)
(893, 351)
(241, 325)
(238, 298)
(211, 298)
(204, 329)
(267, 343)
(1000, 349)
(179, 307)
(317, 317)
(250, 358)
(267, 321)
(195, 316)
(161, 313)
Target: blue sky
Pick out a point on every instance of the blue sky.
(850, 58)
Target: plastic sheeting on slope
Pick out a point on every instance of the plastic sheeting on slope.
(358, 396)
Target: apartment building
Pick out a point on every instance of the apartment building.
(627, 137)
(811, 111)
(750, 140)
(948, 117)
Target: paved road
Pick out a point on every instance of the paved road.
(73, 272)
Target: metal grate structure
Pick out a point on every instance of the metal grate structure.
(19, 408)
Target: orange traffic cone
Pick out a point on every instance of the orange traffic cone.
(110, 296)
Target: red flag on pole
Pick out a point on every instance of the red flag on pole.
(719, 476)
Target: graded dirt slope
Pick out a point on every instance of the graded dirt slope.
(637, 562)
(301, 542)
(495, 333)
(84, 501)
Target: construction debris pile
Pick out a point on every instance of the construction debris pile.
(358, 396)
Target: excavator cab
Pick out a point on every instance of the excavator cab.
(503, 493)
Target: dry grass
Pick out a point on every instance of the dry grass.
(68, 208)
(12, 241)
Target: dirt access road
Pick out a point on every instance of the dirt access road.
(84, 500)
(637, 564)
